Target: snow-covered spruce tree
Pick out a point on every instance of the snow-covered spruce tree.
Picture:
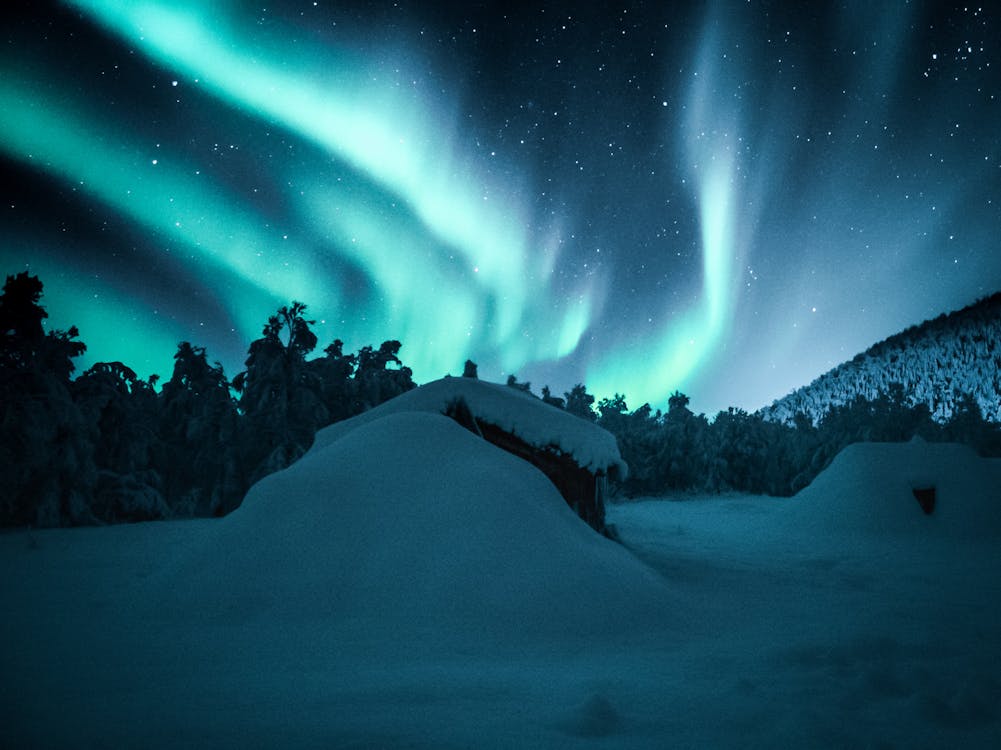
(681, 458)
(46, 445)
(380, 375)
(123, 408)
(677, 405)
(967, 425)
(200, 464)
(580, 403)
(636, 434)
(759, 457)
(333, 375)
(279, 403)
(735, 449)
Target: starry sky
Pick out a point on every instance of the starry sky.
(723, 198)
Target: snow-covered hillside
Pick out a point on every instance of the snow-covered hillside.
(958, 353)
(409, 585)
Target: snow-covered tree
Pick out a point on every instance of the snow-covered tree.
(199, 432)
(47, 471)
(580, 403)
(279, 403)
(380, 375)
(123, 408)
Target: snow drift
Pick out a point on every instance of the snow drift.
(869, 487)
(412, 522)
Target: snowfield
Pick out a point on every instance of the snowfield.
(409, 585)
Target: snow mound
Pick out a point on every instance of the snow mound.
(512, 410)
(870, 487)
(412, 522)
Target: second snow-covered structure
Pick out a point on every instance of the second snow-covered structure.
(576, 455)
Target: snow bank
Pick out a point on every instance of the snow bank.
(869, 488)
(410, 521)
(514, 411)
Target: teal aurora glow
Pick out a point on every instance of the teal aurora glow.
(727, 202)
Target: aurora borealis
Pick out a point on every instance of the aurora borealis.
(726, 198)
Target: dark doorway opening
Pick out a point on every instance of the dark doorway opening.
(926, 499)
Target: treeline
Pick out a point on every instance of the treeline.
(108, 447)
(680, 452)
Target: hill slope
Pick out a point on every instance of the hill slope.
(936, 361)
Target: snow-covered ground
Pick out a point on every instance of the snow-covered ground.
(408, 585)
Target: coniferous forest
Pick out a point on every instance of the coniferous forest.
(106, 446)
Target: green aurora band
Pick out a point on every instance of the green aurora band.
(452, 274)
(179, 170)
(646, 368)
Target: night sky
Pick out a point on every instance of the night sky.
(727, 198)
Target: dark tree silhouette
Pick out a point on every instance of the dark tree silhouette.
(333, 375)
(123, 407)
(21, 318)
(512, 382)
(677, 406)
(279, 399)
(46, 462)
(24, 344)
(199, 431)
(380, 375)
(552, 400)
(579, 403)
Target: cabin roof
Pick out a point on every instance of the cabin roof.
(529, 418)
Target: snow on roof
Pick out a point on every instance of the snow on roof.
(512, 410)
(869, 488)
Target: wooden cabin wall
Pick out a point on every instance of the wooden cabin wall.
(580, 488)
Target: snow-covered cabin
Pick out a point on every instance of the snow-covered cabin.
(576, 455)
(928, 489)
